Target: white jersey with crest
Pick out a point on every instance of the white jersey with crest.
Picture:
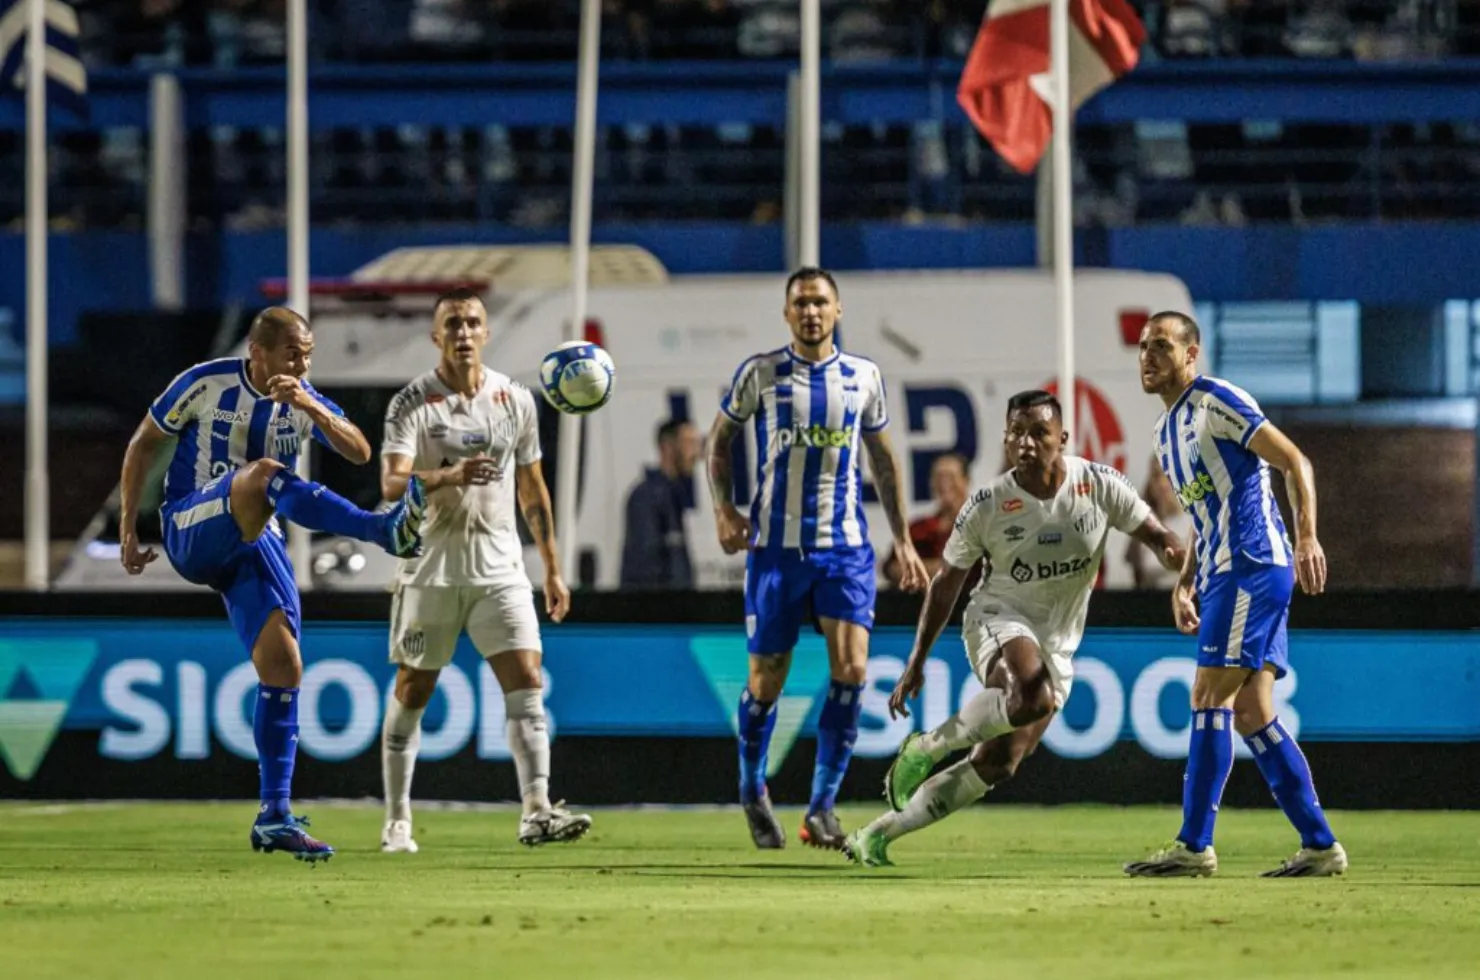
(809, 419)
(1044, 554)
(470, 536)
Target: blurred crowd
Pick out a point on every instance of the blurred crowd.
(1150, 172)
(227, 33)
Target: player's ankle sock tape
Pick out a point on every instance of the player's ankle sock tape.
(1285, 769)
(837, 731)
(528, 735)
(1209, 762)
(755, 720)
(275, 732)
(315, 506)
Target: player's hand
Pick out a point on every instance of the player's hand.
(734, 529)
(475, 471)
(557, 597)
(1184, 609)
(1310, 565)
(907, 687)
(133, 557)
(912, 574)
(289, 390)
(1172, 557)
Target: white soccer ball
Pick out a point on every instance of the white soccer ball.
(577, 377)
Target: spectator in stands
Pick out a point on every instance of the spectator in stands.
(655, 553)
(950, 484)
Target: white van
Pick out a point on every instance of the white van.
(953, 347)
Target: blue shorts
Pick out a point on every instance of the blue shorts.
(1244, 613)
(784, 588)
(255, 578)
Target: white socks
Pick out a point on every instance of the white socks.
(400, 737)
(529, 742)
(981, 718)
(942, 794)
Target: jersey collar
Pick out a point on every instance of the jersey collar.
(242, 366)
(1182, 398)
(799, 359)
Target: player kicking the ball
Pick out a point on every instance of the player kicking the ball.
(471, 435)
(1042, 529)
(240, 423)
(1216, 448)
(809, 551)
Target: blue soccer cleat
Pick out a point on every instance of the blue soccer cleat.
(403, 521)
(286, 834)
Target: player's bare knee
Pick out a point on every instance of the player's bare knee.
(850, 673)
(1030, 701)
(768, 677)
(414, 688)
(249, 503)
(1249, 719)
(994, 762)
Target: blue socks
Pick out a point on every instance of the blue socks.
(315, 506)
(275, 730)
(756, 721)
(1209, 762)
(837, 730)
(1284, 767)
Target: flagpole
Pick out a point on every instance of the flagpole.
(582, 176)
(1062, 146)
(809, 132)
(300, 541)
(38, 520)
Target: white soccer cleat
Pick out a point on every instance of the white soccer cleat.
(551, 825)
(1175, 861)
(396, 838)
(1310, 862)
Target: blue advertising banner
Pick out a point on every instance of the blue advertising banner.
(181, 689)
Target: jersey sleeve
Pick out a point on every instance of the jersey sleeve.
(742, 398)
(968, 540)
(1233, 414)
(309, 424)
(1124, 509)
(401, 425)
(527, 448)
(875, 415)
(180, 403)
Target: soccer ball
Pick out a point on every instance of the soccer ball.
(577, 377)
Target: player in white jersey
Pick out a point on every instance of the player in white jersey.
(809, 555)
(471, 435)
(1041, 528)
(1216, 448)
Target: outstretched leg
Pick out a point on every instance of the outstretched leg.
(265, 487)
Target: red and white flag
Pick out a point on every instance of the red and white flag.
(1005, 87)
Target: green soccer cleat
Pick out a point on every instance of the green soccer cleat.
(868, 849)
(910, 768)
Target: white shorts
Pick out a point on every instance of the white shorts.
(985, 634)
(427, 620)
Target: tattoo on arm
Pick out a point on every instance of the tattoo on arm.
(886, 481)
(721, 469)
(537, 515)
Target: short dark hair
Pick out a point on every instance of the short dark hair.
(1188, 326)
(807, 272)
(669, 430)
(956, 458)
(268, 327)
(457, 294)
(1025, 400)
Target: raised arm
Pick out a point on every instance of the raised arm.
(334, 430)
(881, 463)
(1276, 449)
(137, 460)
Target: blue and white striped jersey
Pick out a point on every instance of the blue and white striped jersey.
(1202, 442)
(223, 423)
(808, 422)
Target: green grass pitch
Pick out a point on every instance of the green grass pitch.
(142, 891)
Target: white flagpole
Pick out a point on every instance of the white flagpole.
(1063, 206)
(38, 519)
(809, 133)
(300, 539)
(582, 176)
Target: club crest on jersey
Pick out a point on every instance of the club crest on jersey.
(1088, 521)
(285, 443)
(1012, 506)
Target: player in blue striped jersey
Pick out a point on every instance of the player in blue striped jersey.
(239, 423)
(1216, 448)
(813, 407)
